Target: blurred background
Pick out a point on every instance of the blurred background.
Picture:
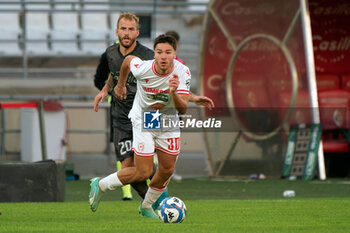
(248, 56)
(49, 50)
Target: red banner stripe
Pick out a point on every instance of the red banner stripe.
(19, 105)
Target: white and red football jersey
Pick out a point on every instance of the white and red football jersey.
(153, 88)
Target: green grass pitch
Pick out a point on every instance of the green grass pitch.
(213, 205)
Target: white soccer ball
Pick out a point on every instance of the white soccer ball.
(172, 210)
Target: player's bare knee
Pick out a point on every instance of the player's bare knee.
(166, 169)
(168, 172)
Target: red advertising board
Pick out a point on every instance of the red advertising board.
(261, 70)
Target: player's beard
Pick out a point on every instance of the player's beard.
(132, 41)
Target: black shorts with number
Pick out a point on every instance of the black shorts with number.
(122, 143)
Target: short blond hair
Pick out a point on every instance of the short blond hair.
(128, 16)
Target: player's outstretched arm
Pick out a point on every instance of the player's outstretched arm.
(180, 101)
(202, 100)
(120, 89)
(100, 97)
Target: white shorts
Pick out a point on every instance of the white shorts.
(145, 142)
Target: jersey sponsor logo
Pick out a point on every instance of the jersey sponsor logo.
(188, 73)
(154, 90)
(147, 80)
(161, 96)
(136, 65)
(151, 119)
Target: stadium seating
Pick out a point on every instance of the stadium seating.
(65, 33)
(95, 31)
(38, 29)
(113, 17)
(66, 29)
(334, 108)
(75, 27)
(10, 31)
(38, 32)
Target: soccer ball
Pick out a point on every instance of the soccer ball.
(172, 210)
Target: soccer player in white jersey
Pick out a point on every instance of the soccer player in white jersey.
(162, 86)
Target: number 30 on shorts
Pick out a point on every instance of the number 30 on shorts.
(174, 143)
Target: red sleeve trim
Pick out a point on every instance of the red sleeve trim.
(183, 92)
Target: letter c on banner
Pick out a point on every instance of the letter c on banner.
(211, 80)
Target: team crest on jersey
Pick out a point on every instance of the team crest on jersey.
(160, 96)
(141, 146)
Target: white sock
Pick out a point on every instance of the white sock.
(110, 182)
(151, 196)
